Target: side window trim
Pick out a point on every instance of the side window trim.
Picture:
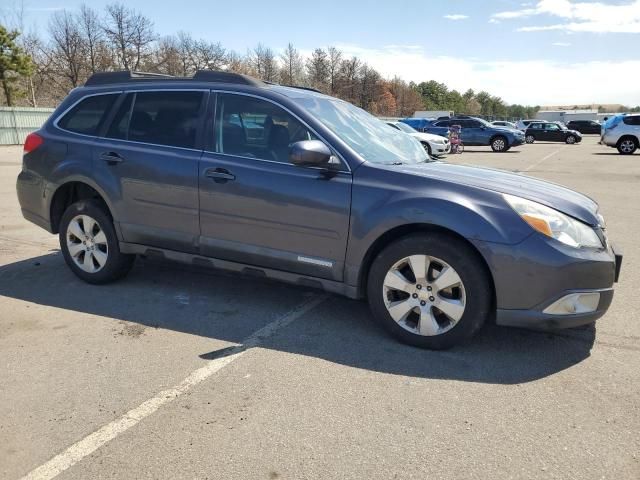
(84, 97)
(211, 143)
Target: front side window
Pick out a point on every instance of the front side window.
(160, 118)
(551, 126)
(254, 128)
(87, 116)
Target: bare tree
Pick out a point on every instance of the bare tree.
(208, 55)
(318, 70)
(66, 51)
(349, 71)
(130, 34)
(335, 60)
(263, 62)
(292, 72)
(95, 52)
(237, 63)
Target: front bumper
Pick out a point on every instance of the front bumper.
(440, 148)
(534, 275)
(537, 319)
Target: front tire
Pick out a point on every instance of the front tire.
(499, 144)
(529, 139)
(429, 290)
(89, 244)
(627, 145)
(571, 139)
(427, 147)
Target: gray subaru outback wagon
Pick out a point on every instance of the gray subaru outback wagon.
(224, 170)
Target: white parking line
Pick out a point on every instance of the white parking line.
(544, 159)
(108, 432)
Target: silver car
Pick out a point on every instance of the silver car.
(622, 132)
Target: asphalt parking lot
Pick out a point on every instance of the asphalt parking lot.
(183, 373)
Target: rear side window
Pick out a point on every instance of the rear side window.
(160, 118)
(631, 120)
(87, 116)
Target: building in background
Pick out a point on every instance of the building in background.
(567, 115)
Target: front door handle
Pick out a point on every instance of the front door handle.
(220, 175)
(111, 157)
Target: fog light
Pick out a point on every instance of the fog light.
(574, 303)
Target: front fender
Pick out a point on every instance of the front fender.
(378, 207)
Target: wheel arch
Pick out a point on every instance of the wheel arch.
(398, 232)
(70, 192)
(496, 135)
(630, 136)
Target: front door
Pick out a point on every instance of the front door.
(256, 207)
(553, 132)
(150, 158)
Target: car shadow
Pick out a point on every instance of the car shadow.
(215, 305)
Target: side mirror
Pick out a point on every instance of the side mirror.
(310, 153)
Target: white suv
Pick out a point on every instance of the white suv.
(622, 132)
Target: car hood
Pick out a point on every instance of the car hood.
(550, 194)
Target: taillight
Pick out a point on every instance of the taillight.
(32, 142)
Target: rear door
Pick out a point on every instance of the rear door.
(149, 155)
(256, 207)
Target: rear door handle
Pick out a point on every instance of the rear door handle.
(111, 157)
(219, 175)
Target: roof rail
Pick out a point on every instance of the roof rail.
(226, 77)
(104, 78)
(303, 88)
(124, 76)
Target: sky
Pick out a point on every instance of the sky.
(548, 52)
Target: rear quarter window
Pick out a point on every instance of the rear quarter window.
(87, 116)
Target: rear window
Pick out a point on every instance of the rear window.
(160, 118)
(87, 116)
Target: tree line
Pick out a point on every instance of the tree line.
(39, 68)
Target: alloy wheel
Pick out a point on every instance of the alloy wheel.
(571, 139)
(424, 295)
(627, 146)
(87, 243)
(498, 144)
(529, 139)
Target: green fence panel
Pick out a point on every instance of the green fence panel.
(18, 122)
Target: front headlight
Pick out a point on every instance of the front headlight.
(554, 224)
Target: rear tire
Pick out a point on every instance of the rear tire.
(89, 244)
(499, 144)
(627, 145)
(431, 310)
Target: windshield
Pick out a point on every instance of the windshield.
(371, 138)
(404, 127)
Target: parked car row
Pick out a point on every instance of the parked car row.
(475, 131)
